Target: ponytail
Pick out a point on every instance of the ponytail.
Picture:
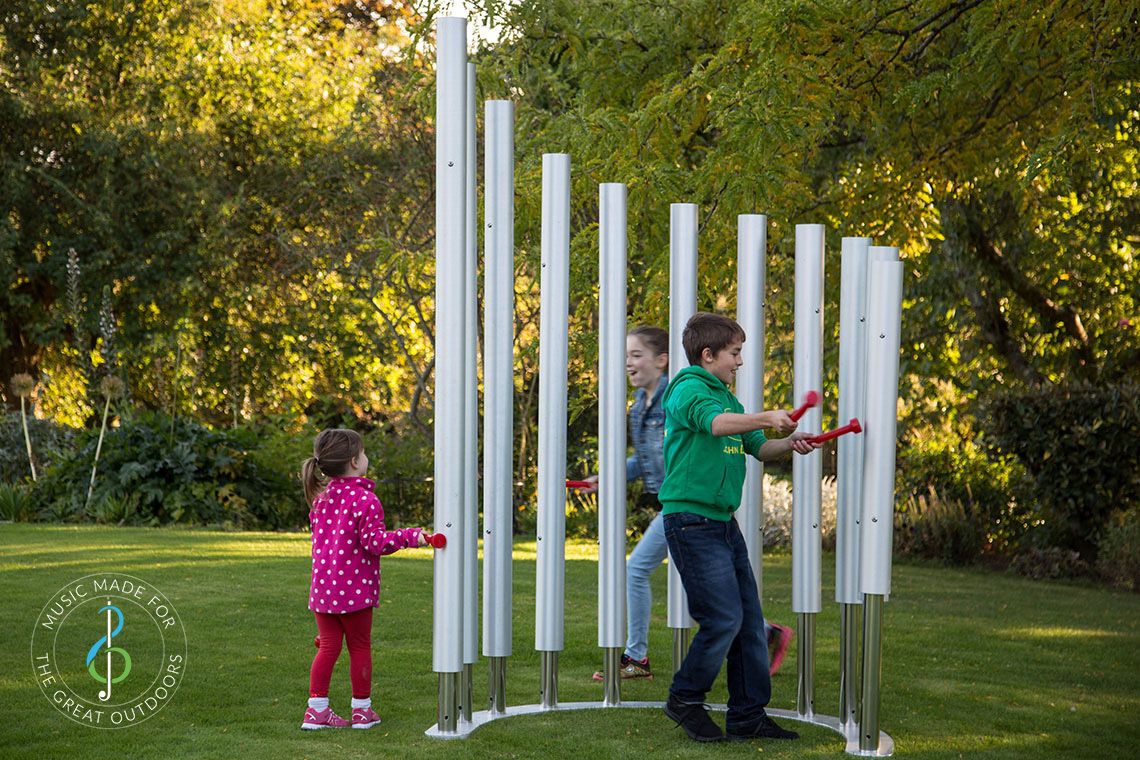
(333, 452)
(311, 479)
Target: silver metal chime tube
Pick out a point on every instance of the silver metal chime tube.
(807, 470)
(450, 330)
(883, 334)
(470, 417)
(498, 393)
(611, 434)
(682, 305)
(751, 245)
(849, 481)
(553, 345)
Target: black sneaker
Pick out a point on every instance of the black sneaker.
(766, 728)
(695, 720)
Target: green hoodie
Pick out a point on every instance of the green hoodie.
(704, 474)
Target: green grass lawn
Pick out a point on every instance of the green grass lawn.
(974, 663)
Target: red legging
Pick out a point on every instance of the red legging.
(356, 629)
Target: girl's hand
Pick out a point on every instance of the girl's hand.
(422, 540)
(801, 443)
(593, 480)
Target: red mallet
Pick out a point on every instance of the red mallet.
(580, 484)
(811, 398)
(851, 427)
(436, 540)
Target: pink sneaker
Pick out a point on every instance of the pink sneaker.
(778, 642)
(364, 718)
(317, 719)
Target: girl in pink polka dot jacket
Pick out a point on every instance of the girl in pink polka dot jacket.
(348, 540)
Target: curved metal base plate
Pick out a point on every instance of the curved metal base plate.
(850, 732)
(483, 717)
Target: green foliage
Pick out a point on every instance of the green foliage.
(401, 463)
(15, 503)
(244, 178)
(936, 527)
(51, 442)
(948, 464)
(153, 472)
(1049, 563)
(1078, 444)
(1118, 555)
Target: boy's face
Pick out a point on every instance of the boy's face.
(724, 364)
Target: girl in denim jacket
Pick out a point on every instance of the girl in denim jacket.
(646, 361)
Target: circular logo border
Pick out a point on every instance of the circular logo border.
(167, 680)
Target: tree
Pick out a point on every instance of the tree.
(219, 168)
(982, 137)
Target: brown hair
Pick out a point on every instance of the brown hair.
(333, 451)
(654, 338)
(711, 331)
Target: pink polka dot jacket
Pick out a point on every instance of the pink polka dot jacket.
(348, 540)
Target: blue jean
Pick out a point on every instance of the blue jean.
(712, 561)
(647, 556)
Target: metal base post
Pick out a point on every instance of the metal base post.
(497, 685)
(611, 676)
(872, 673)
(805, 665)
(466, 692)
(447, 712)
(548, 680)
(849, 624)
(680, 646)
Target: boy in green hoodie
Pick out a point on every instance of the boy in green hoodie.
(707, 434)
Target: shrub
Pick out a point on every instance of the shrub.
(401, 462)
(1049, 563)
(15, 503)
(940, 528)
(51, 442)
(950, 463)
(1078, 445)
(778, 512)
(1118, 559)
(156, 471)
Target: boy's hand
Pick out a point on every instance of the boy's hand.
(802, 443)
(779, 420)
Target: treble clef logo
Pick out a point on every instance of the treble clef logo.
(91, 654)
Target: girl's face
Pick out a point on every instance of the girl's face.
(642, 365)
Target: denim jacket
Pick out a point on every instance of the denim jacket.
(647, 434)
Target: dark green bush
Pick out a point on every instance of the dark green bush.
(1118, 559)
(402, 463)
(51, 442)
(939, 528)
(1079, 446)
(15, 503)
(949, 463)
(155, 472)
(1049, 563)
